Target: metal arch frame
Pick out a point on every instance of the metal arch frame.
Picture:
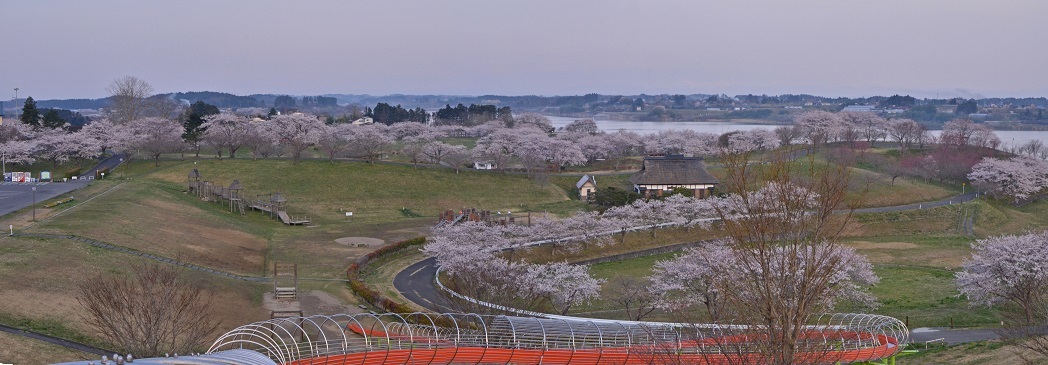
(444, 337)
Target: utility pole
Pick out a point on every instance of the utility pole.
(34, 204)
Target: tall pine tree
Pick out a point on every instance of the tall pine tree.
(30, 114)
(53, 120)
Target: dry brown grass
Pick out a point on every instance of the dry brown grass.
(981, 353)
(145, 218)
(40, 278)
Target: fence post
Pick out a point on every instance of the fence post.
(951, 322)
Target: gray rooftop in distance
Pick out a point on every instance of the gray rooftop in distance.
(673, 170)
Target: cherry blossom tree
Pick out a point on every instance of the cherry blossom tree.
(869, 126)
(984, 136)
(436, 151)
(788, 134)
(18, 151)
(1009, 269)
(297, 132)
(104, 133)
(457, 157)
(260, 138)
(370, 141)
(905, 132)
(585, 126)
(685, 141)
(563, 284)
(636, 296)
(52, 146)
(818, 126)
(958, 132)
(154, 137)
(594, 147)
(225, 131)
(335, 139)
(533, 120)
(691, 279)
(495, 148)
(1018, 178)
(565, 153)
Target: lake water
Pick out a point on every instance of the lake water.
(1008, 138)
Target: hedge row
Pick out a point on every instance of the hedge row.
(372, 296)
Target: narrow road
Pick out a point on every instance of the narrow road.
(54, 340)
(416, 283)
(16, 196)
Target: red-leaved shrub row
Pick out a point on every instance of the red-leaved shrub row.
(372, 296)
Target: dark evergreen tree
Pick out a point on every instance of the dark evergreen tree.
(53, 120)
(967, 107)
(194, 118)
(272, 112)
(30, 114)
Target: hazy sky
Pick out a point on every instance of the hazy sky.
(73, 49)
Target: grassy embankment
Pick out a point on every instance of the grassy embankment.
(150, 212)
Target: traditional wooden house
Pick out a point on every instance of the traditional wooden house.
(586, 186)
(660, 175)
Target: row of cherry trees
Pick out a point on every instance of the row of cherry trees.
(481, 261)
(819, 127)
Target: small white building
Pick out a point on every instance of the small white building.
(363, 121)
(586, 186)
(484, 165)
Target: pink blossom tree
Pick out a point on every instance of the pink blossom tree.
(297, 132)
(437, 151)
(154, 137)
(105, 134)
(818, 126)
(225, 131)
(260, 138)
(1009, 269)
(562, 284)
(565, 153)
(958, 132)
(370, 141)
(457, 157)
(869, 126)
(1018, 178)
(334, 140)
(905, 132)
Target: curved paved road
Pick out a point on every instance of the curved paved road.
(418, 284)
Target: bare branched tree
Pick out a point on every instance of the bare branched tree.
(152, 311)
(633, 295)
(130, 99)
(784, 239)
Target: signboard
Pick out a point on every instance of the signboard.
(7, 176)
(45, 175)
(18, 176)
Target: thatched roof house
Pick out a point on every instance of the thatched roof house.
(659, 175)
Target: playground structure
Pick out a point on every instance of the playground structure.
(285, 280)
(450, 217)
(234, 196)
(458, 338)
